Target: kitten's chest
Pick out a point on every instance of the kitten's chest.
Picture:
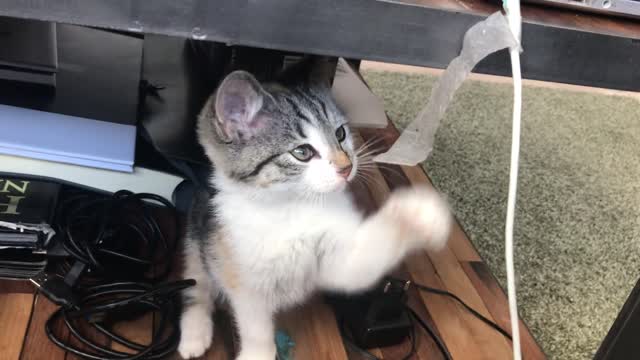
(279, 248)
(263, 234)
(281, 224)
(278, 255)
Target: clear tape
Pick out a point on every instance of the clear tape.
(416, 142)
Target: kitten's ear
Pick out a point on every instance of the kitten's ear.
(311, 70)
(238, 102)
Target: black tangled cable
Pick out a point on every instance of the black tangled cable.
(119, 257)
(101, 306)
(118, 235)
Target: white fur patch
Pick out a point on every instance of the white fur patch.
(321, 176)
(196, 328)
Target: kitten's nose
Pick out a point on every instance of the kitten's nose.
(341, 161)
(345, 171)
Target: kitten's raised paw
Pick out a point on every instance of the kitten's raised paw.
(196, 333)
(424, 213)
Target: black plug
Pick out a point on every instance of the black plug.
(55, 289)
(376, 318)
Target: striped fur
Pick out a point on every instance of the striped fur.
(294, 114)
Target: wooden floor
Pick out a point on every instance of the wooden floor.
(458, 269)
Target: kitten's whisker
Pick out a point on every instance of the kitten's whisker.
(363, 179)
(369, 166)
(380, 166)
(391, 168)
(373, 181)
(367, 159)
(367, 152)
(380, 169)
(360, 142)
(370, 143)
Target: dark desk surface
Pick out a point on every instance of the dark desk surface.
(560, 45)
(535, 14)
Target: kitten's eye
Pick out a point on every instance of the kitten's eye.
(303, 152)
(341, 134)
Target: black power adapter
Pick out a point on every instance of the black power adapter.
(376, 318)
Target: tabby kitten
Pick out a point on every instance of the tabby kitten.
(281, 224)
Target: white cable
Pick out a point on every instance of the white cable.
(511, 202)
(514, 18)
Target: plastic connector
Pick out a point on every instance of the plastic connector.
(55, 289)
(376, 318)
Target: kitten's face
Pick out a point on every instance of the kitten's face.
(289, 138)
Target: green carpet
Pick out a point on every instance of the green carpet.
(578, 214)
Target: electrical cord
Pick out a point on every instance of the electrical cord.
(102, 304)
(431, 332)
(512, 8)
(458, 300)
(117, 234)
(423, 324)
(119, 256)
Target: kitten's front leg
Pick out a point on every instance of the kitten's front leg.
(196, 322)
(411, 219)
(255, 326)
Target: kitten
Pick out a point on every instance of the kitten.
(281, 224)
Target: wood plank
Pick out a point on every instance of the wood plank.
(398, 351)
(36, 344)
(376, 352)
(89, 333)
(354, 354)
(314, 329)
(16, 286)
(454, 324)
(15, 312)
(426, 348)
(461, 246)
(498, 306)
(138, 330)
(456, 281)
